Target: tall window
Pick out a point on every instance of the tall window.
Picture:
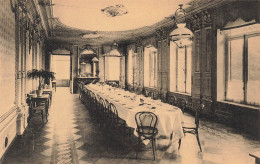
(134, 69)
(130, 67)
(150, 67)
(243, 69)
(180, 69)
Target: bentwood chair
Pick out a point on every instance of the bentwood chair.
(172, 100)
(118, 125)
(182, 104)
(146, 129)
(104, 111)
(193, 128)
(155, 95)
(114, 119)
(163, 96)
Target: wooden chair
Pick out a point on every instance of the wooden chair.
(139, 90)
(163, 96)
(172, 100)
(38, 107)
(182, 104)
(114, 119)
(193, 128)
(147, 93)
(155, 95)
(146, 129)
(118, 125)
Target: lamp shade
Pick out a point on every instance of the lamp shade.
(95, 59)
(182, 36)
(113, 53)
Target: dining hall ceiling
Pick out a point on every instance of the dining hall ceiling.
(98, 22)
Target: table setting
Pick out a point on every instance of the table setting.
(170, 117)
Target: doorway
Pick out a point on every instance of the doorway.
(61, 66)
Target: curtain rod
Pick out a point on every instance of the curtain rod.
(229, 28)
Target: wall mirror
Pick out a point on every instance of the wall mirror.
(88, 64)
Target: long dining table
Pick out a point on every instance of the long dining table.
(170, 118)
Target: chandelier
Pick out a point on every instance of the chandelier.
(181, 36)
(116, 10)
(114, 45)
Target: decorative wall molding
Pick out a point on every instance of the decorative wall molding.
(138, 41)
(60, 51)
(199, 20)
(150, 41)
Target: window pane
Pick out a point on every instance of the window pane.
(253, 85)
(188, 80)
(130, 67)
(114, 68)
(173, 54)
(235, 81)
(181, 70)
(134, 69)
(155, 69)
(146, 67)
(151, 68)
(236, 59)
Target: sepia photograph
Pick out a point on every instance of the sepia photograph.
(129, 81)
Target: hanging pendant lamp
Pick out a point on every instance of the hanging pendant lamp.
(181, 36)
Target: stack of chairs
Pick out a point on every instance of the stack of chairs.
(106, 115)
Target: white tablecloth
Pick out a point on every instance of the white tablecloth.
(170, 117)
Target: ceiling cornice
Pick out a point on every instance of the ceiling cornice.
(64, 33)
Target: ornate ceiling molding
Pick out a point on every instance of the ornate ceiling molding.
(60, 51)
(200, 20)
(138, 41)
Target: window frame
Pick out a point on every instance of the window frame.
(185, 71)
(245, 73)
(154, 51)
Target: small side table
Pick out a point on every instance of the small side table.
(37, 100)
(48, 91)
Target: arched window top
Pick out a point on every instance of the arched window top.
(114, 53)
(61, 51)
(87, 52)
(150, 48)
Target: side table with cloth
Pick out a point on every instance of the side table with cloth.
(48, 91)
(40, 105)
(170, 117)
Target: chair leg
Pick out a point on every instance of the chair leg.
(138, 144)
(198, 139)
(153, 146)
(42, 114)
(179, 144)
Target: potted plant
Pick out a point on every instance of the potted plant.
(42, 75)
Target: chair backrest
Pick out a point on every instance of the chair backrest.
(100, 102)
(172, 100)
(139, 90)
(182, 104)
(155, 95)
(107, 103)
(146, 120)
(163, 96)
(146, 93)
(197, 114)
(113, 115)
